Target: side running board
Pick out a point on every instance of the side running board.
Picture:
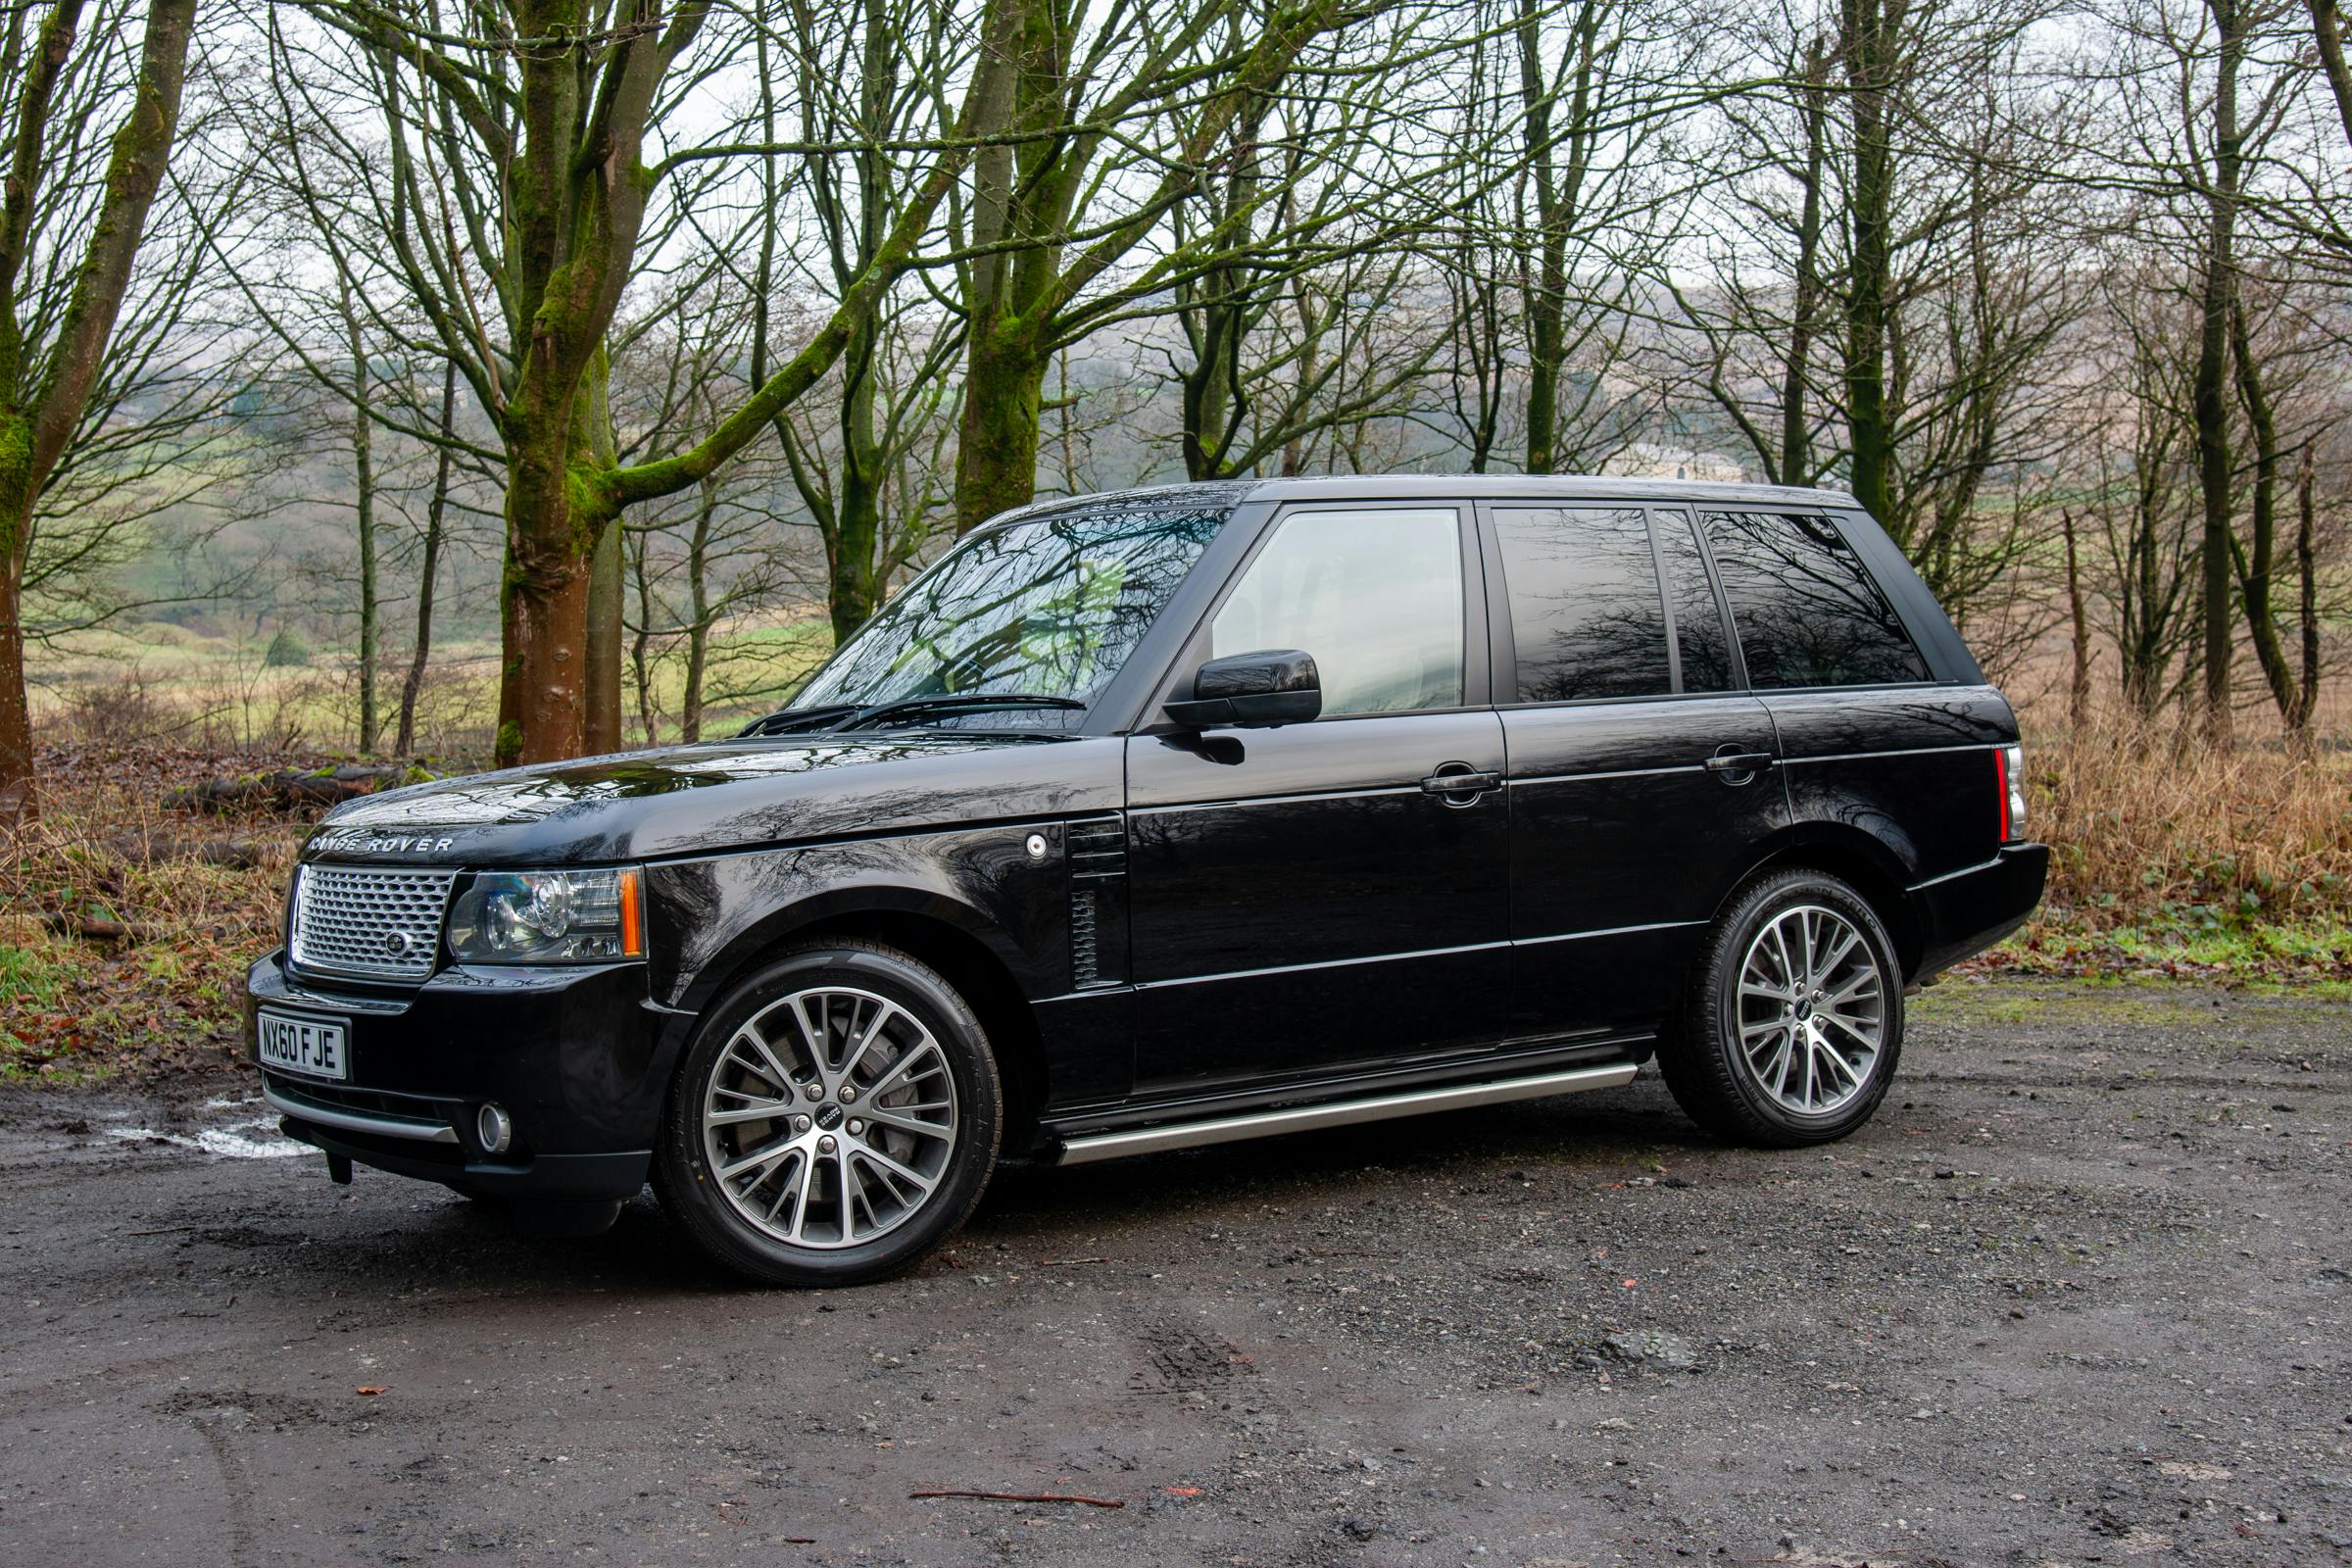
(1090, 1146)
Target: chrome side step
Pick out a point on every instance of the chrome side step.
(1092, 1147)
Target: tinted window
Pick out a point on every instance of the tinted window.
(1586, 614)
(1807, 611)
(1376, 597)
(1699, 634)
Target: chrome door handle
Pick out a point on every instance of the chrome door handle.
(1740, 761)
(1462, 786)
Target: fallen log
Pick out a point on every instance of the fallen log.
(92, 929)
(292, 790)
(148, 848)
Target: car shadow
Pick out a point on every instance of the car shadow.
(476, 1249)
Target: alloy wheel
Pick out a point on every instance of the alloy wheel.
(1812, 1013)
(829, 1119)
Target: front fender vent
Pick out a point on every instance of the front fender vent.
(1097, 902)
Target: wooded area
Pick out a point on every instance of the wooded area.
(653, 343)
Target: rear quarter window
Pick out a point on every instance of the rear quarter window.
(1806, 609)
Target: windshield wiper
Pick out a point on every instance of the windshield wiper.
(953, 703)
(831, 716)
(785, 721)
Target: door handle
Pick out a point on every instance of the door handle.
(1462, 785)
(1727, 763)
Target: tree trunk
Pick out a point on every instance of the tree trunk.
(2308, 609)
(35, 437)
(1873, 44)
(19, 802)
(641, 641)
(699, 613)
(2256, 563)
(1004, 396)
(2210, 395)
(543, 603)
(435, 510)
(1545, 285)
(1797, 457)
(600, 725)
(594, 450)
(2078, 705)
(362, 471)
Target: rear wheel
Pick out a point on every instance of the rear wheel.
(1793, 1022)
(835, 1119)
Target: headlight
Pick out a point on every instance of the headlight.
(547, 917)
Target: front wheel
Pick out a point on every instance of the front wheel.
(1793, 1022)
(835, 1119)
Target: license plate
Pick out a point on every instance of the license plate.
(310, 1047)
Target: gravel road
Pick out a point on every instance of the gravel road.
(2082, 1293)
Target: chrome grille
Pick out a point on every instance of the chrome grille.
(382, 924)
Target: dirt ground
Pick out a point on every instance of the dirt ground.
(2082, 1294)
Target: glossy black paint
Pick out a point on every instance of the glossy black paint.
(1252, 691)
(1300, 899)
(1160, 919)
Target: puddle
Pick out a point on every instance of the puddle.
(258, 1138)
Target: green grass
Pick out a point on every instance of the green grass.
(31, 977)
(2303, 958)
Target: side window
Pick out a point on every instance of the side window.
(1704, 646)
(1586, 612)
(1807, 611)
(1376, 597)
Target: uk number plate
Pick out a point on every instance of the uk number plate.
(307, 1045)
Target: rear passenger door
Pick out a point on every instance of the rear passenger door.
(1870, 738)
(1640, 777)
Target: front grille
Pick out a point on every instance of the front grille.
(386, 925)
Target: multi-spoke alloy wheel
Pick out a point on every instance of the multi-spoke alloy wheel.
(835, 1118)
(1794, 1017)
(831, 1118)
(1812, 1009)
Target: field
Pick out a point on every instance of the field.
(213, 689)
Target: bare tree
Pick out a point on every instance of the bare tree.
(58, 237)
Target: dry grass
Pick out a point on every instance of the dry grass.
(165, 995)
(2148, 829)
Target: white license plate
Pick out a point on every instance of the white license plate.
(311, 1047)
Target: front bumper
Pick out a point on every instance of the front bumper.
(1964, 914)
(579, 1058)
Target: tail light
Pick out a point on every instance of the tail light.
(2009, 774)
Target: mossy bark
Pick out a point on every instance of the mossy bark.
(34, 434)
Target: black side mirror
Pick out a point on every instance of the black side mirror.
(1276, 686)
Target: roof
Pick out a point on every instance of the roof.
(1565, 487)
(1450, 486)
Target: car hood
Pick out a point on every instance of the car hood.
(686, 800)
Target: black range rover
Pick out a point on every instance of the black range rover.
(1166, 818)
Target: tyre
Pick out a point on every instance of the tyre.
(835, 1118)
(1793, 1020)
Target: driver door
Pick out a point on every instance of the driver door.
(1331, 896)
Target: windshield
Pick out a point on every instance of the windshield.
(1047, 608)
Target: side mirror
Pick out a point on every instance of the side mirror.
(1276, 686)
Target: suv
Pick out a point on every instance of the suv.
(1158, 819)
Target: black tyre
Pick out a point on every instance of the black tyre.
(1793, 1022)
(835, 1119)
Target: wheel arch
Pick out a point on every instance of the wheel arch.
(1853, 856)
(958, 941)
